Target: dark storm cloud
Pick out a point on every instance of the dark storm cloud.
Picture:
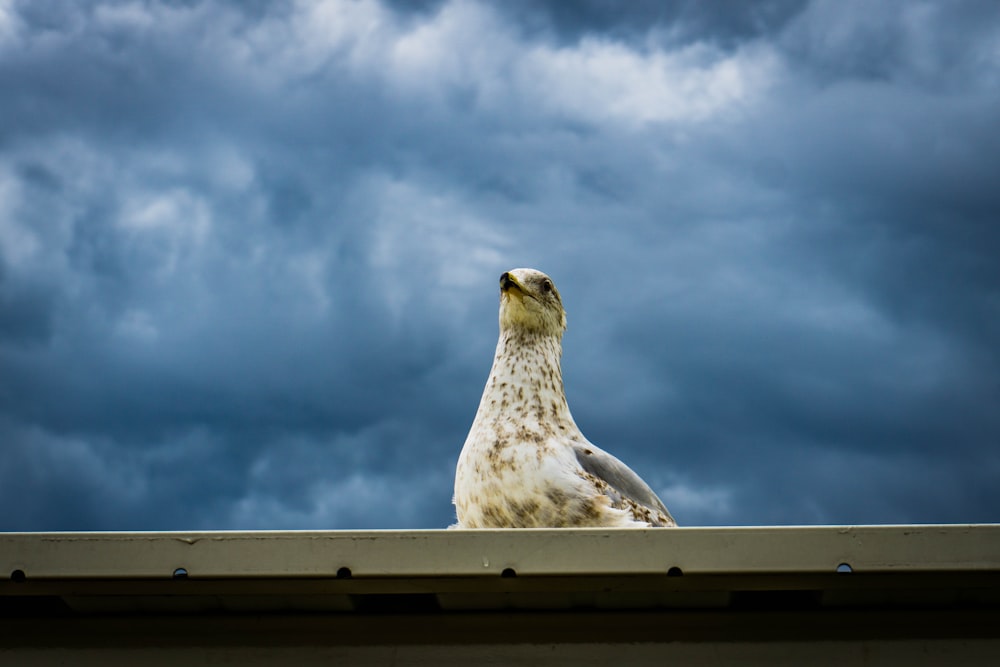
(727, 22)
(950, 44)
(248, 253)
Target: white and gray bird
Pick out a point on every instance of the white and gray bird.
(525, 463)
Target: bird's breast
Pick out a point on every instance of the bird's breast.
(516, 478)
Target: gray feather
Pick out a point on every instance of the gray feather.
(618, 476)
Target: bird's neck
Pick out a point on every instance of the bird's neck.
(526, 384)
(523, 355)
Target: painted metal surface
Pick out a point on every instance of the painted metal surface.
(488, 553)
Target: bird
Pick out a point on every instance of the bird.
(525, 463)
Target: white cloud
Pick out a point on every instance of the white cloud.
(173, 223)
(464, 45)
(304, 42)
(602, 80)
(175, 210)
(131, 16)
(467, 46)
(423, 238)
(8, 22)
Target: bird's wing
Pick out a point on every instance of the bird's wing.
(618, 476)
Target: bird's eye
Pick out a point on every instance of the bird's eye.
(547, 286)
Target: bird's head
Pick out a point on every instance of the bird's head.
(529, 301)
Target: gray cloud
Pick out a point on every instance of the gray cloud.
(248, 254)
(725, 23)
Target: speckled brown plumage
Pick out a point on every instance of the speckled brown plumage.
(525, 462)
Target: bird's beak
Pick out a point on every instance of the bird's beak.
(509, 282)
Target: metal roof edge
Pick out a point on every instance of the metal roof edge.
(475, 553)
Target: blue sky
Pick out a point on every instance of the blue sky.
(249, 253)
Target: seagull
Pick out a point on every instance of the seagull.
(525, 463)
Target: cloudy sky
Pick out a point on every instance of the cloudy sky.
(249, 253)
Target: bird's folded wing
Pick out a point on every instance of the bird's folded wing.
(619, 476)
